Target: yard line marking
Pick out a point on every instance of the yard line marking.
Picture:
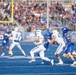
(43, 73)
(25, 66)
(18, 57)
(73, 66)
(35, 66)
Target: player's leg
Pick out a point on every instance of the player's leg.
(45, 58)
(69, 52)
(65, 55)
(18, 45)
(8, 47)
(2, 51)
(34, 50)
(3, 44)
(11, 47)
(71, 56)
(57, 53)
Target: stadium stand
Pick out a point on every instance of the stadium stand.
(31, 14)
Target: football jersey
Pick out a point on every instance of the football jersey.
(6, 36)
(59, 38)
(16, 36)
(41, 39)
(46, 45)
(67, 38)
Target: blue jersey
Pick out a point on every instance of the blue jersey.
(6, 36)
(5, 40)
(46, 45)
(67, 39)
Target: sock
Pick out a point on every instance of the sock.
(23, 52)
(60, 60)
(11, 53)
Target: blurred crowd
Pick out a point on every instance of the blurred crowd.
(3, 26)
(5, 8)
(32, 14)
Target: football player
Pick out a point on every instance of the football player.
(16, 37)
(5, 41)
(69, 45)
(39, 48)
(56, 37)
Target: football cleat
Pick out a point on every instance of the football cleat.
(60, 63)
(74, 63)
(73, 53)
(2, 54)
(52, 62)
(31, 61)
(25, 55)
(11, 55)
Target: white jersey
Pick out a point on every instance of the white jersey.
(41, 38)
(16, 36)
(59, 38)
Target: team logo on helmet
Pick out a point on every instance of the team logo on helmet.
(65, 29)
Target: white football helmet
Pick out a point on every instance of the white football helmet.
(16, 29)
(38, 32)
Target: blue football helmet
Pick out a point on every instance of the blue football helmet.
(48, 34)
(65, 29)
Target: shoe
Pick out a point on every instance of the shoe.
(60, 63)
(74, 53)
(52, 62)
(11, 55)
(74, 63)
(31, 61)
(25, 55)
(2, 54)
(10, 52)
